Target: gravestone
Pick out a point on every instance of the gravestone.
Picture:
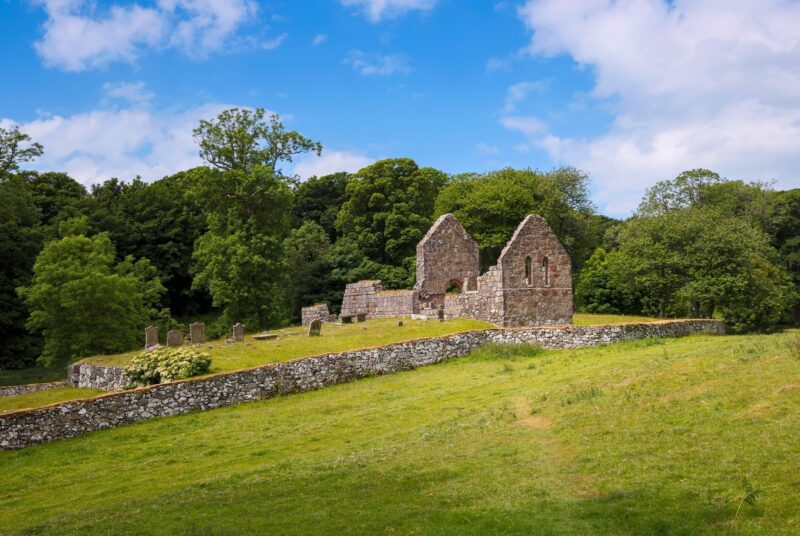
(197, 332)
(399, 323)
(361, 317)
(346, 319)
(314, 327)
(265, 336)
(174, 337)
(150, 336)
(238, 332)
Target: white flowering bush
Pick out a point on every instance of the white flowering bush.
(167, 364)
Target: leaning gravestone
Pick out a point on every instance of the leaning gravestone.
(238, 332)
(174, 337)
(314, 327)
(150, 336)
(197, 332)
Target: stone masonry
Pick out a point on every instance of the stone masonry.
(531, 284)
(317, 311)
(20, 429)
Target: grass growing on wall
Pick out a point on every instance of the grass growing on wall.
(696, 435)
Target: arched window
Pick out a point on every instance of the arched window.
(528, 266)
(546, 271)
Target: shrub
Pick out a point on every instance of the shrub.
(167, 364)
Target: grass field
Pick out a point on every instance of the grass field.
(648, 437)
(43, 398)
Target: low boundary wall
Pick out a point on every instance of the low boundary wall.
(69, 419)
(13, 390)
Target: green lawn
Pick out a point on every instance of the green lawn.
(294, 342)
(646, 437)
(38, 399)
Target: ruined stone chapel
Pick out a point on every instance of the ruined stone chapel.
(530, 285)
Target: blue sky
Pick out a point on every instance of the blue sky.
(630, 91)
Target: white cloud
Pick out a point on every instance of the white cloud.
(319, 39)
(330, 162)
(517, 93)
(274, 43)
(691, 83)
(131, 92)
(527, 124)
(377, 64)
(79, 35)
(377, 10)
(99, 144)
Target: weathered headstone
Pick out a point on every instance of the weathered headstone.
(265, 336)
(197, 333)
(150, 336)
(346, 319)
(238, 332)
(399, 323)
(314, 327)
(174, 337)
(361, 317)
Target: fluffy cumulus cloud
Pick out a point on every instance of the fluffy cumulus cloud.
(690, 83)
(377, 10)
(122, 139)
(80, 34)
(330, 162)
(377, 64)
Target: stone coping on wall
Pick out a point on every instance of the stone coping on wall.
(22, 428)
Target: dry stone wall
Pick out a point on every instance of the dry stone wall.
(14, 390)
(318, 311)
(69, 419)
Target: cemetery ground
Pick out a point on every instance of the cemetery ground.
(292, 343)
(696, 435)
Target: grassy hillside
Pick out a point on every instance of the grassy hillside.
(648, 437)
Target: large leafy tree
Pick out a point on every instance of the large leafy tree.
(239, 139)
(787, 238)
(20, 242)
(82, 302)
(491, 206)
(388, 208)
(16, 148)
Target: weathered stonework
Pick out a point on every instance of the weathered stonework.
(315, 328)
(197, 333)
(103, 377)
(68, 419)
(14, 390)
(175, 337)
(318, 311)
(150, 336)
(531, 284)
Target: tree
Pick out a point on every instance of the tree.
(16, 148)
(240, 259)
(388, 208)
(319, 199)
(683, 191)
(595, 291)
(306, 249)
(20, 242)
(240, 140)
(491, 206)
(82, 303)
(787, 238)
(58, 197)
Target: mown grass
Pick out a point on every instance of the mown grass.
(647, 437)
(585, 319)
(38, 399)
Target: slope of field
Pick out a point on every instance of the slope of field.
(689, 436)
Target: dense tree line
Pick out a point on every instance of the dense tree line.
(83, 272)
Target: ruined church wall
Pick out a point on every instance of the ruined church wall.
(536, 277)
(20, 429)
(446, 253)
(370, 298)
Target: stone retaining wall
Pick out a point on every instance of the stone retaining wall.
(69, 419)
(107, 378)
(13, 390)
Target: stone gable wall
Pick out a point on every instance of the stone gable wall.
(446, 253)
(69, 419)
